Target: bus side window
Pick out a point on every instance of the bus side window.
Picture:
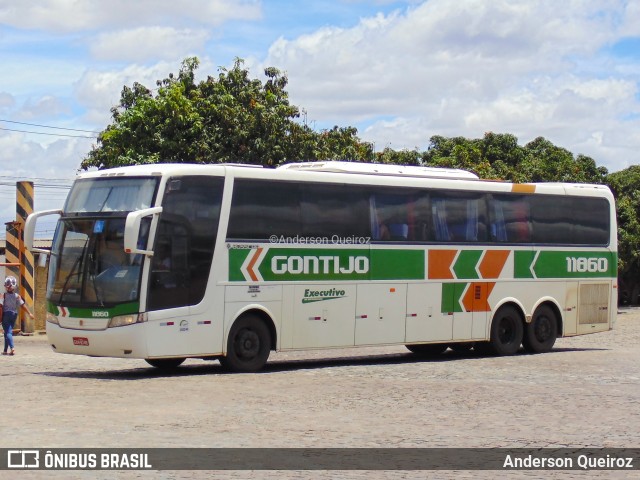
(323, 211)
(185, 241)
(399, 216)
(511, 222)
(459, 218)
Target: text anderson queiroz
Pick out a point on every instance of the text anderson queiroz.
(585, 462)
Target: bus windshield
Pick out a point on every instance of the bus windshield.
(89, 266)
(111, 195)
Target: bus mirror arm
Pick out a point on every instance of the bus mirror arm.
(132, 229)
(30, 228)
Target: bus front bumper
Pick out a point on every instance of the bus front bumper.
(121, 342)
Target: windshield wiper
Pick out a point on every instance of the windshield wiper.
(93, 266)
(73, 273)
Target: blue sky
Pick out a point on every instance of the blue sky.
(399, 71)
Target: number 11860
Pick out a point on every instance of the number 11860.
(590, 265)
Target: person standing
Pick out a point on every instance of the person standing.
(11, 301)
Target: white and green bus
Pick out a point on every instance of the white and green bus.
(172, 261)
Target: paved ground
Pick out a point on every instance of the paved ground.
(585, 393)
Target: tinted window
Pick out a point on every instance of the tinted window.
(591, 221)
(185, 241)
(458, 217)
(329, 210)
(510, 219)
(569, 220)
(260, 209)
(549, 219)
(399, 215)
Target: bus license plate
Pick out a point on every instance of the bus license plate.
(83, 341)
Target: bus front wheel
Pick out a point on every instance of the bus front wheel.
(248, 346)
(540, 334)
(506, 331)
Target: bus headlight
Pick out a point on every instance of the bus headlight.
(51, 318)
(123, 320)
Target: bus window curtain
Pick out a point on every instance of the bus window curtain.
(499, 229)
(472, 221)
(439, 213)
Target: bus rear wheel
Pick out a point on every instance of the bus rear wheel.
(506, 331)
(427, 349)
(540, 334)
(248, 346)
(165, 363)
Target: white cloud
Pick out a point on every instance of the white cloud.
(44, 107)
(464, 68)
(88, 15)
(24, 159)
(144, 43)
(24, 156)
(7, 101)
(99, 90)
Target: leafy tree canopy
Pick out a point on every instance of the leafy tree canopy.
(498, 156)
(229, 118)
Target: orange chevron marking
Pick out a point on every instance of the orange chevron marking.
(476, 298)
(252, 263)
(492, 263)
(440, 263)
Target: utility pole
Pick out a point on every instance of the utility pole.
(18, 260)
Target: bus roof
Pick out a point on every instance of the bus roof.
(381, 169)
(356, 171)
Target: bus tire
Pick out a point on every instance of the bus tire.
(165, 363)
(541, 333)
(427, 349)
(506, 331)
(483, 349)
(248, 346)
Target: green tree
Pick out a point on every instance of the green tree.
(546, 162)
(625, 185)
(228, 118)
(498, 156)
(402, 157)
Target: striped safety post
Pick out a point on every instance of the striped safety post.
(12, 254)
(24, 207)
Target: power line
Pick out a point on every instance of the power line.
(40, 185)
(48, 126)
(44, 133)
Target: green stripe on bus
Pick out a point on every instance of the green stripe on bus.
(522, 260)
(567, 264)
(397, 264)
(236, 258)
(97, 312)
(451, 297)
(466, 263)
(295, 264)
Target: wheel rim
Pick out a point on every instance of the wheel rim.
(507, 331)
(247, 344)
(542, 328)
